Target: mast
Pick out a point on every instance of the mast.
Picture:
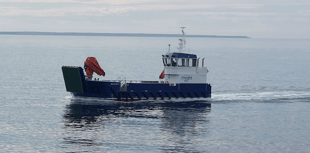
(182, 43)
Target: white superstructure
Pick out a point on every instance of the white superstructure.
(180, 67)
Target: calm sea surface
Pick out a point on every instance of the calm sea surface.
(260, 97)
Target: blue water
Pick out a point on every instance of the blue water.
(260, 100)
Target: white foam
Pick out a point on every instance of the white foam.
(96, 100)
(269, 95)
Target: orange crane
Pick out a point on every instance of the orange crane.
(91, 65)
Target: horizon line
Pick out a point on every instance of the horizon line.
(111, 34)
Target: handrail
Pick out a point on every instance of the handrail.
(197, 62)
(203, 61)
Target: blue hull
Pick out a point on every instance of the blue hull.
(77, 84)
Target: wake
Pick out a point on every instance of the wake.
(269, 96)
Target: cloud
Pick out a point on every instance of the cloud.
(98, 10)
(79, 11)
(224, 17)
(232, 15)
(119, 2)
(38, 1)
(111, 2)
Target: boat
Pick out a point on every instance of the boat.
(184, 77)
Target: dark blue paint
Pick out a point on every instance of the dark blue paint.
(137, 91)
(180, 55)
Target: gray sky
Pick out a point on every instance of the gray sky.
(253, 18)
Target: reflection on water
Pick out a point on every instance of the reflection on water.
(121, 126)
(183, 125)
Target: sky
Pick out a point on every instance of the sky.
(253, 18)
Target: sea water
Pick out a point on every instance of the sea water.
(260, 97)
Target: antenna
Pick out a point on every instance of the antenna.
(183, 30)
(182, 41)
(169, 48)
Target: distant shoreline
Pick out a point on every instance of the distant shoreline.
(114, 34)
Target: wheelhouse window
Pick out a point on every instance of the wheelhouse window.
(194, 62)
(190, 62)
(164, 62)
(173, 61)
(168, 61)
(181, 62)
(187, 63)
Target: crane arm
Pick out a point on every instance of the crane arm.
(91, 65)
